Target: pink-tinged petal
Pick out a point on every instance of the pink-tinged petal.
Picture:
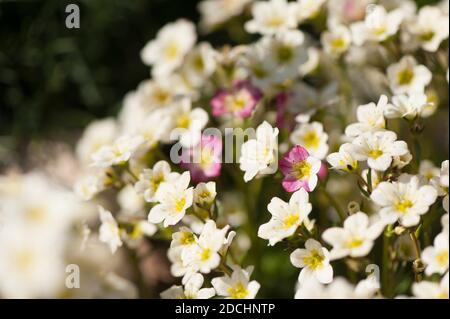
(323, 172)
(298, 153)
(218, 103)
(292, 185)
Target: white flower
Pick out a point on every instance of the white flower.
(355, 239)
(285, 54)
(270, 17)
(215, 12)
(187, 122)
(258, 155)
(378, 149)
(436, 256)
(407, 106)
(308, 9)
(428, 170)
(378, 26)
(204, 194)
(404, 200)
(441, 184)
(431, 290)
(343, 160)
(130, 201)
(315, 261)
(167, 51)
(340, 288)
(286, 217)
(109, 231)
(174, 198)
(236, 286)
(337, 40)
(151, 179)
(312, 137)
(370, 118)
(118, 153)
(407, 76)
(192, 290)
(95, 136)
(204, 255)
(200, 63)
(154, 128)
(87, 187)
(430, 28)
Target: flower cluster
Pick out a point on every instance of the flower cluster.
(332, 114)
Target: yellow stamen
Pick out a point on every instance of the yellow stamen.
(314, 260)
(238, 291)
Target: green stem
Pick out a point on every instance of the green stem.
(335, 204)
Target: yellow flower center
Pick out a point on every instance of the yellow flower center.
(179, 204)
(301, 169)
(184, 121)
(275, 22)
(291, 220)
(311, 139)
(403, 205)
(379, 31)
(314, 259)
(405, 76)
(36, 214)
(24, 259)
(375, 153)
(205, 254)
(239, 291)
(338, 43)
(237, 102)
(355, 242)
(171, 51)
(161, 96)
(442, 258)
(285, 54)
(427, 36)
(199, 64)
(187, 238)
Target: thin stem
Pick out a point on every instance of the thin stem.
(335, 204)
(412, 234)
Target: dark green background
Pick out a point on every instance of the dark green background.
(53, 80)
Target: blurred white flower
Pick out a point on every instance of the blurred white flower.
(407, 76)
(215, 12)
(430, 27)
(96, 135)
(109, 231)
(192, 290)
(436, 257)
(236, 286)
(370, 118)
(187, 123)
(337, 40)
(273, 16)
(378, 25)
(308, 9)
(204, 194)
(432, 290)
(200, 64)
(312, 137)
(167, 51)
(119, 152)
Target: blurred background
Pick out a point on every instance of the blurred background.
(54, 80)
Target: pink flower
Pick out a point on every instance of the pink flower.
(284, 119)
(204, 160)
(240, 100)
(300, 170)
